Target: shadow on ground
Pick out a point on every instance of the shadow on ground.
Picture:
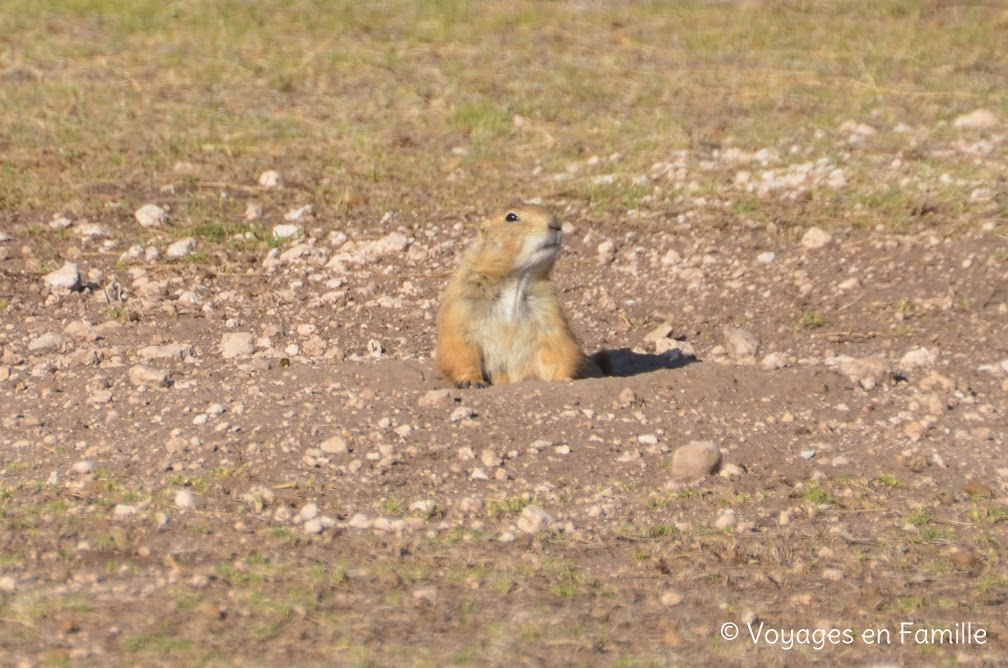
(623, 362)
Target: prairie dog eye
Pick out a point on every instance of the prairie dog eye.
(511, 218)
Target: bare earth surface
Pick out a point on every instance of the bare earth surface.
(237, 450)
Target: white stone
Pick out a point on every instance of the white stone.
(916, 358)
(187, 500)
(741, 343)
(47, 342)
(253, 211)
(151, 215)
(83, 467)
(142, 374)
(270, 179)
(980, 119)
(816, 238)
(766, 258)
(462, 413)
(334, 445)
(286, 231)
(725, 520)
(298, 213)
(67, 277)
(533, 519)
(181, 248)
(237, 344)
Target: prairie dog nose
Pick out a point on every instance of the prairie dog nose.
(555, 224)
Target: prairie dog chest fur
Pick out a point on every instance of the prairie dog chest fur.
(501, 319)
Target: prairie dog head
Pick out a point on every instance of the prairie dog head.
(519, 240)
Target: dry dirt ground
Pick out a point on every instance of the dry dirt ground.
(225, 443)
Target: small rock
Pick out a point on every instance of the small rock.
(490, 458)
(359, 521)
(533, 519)
(172, 351)
(286, 231)
(478, 474)
(426, 595)
(726, 519)
(766, 258)
(80, 331)
(562, 449)
(309, 512)
(628, 398)
(60, 223)
(47, 342)
(123, 510)
(659, 333)
(731, 471)
(270, 179)
(424, 507)
(334, 445)
(671, 598)
(866, 371)
(816, 238)
(313, 526)
(297, 214)
(253, 212)
(151, 215)
(181, 248)
(740, 342)
(435, 398)
(695, 459)
(647, 439)
(774, 361)
(462, 413)
(83, 467)
(849, 284)
(808, 454)
(917, 358)
(67, 277)
(237, 344)
(606, 251)
(187, 500)
(980, 119)
(142, 374)
(833, 574)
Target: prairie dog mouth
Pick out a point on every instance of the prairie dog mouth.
(554, 240)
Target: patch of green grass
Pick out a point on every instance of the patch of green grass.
(662, 500)
(661, 530)
(818, 496)
(392, 504)
(196, 257)
(283, 533)
(919, 517)
(567, 581)
(159, 644)
(483, 118)
(811, 320)
(509, 505)
(889, 480)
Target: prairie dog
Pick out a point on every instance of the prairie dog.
(501, 320)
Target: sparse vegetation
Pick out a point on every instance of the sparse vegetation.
(702, 139)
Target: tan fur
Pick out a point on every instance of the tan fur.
(501, 319)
